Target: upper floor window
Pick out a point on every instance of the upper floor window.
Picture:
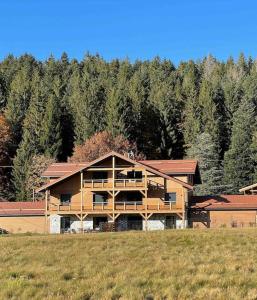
(100, 175)
(100, 198)
(171, 197)
(65, 199)
(134, 174)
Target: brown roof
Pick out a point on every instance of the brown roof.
(61, 169)
(113, 153)
(224, 202)
(164, 166)
(22, 208)
(173, 166)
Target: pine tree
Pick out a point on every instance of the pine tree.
(18, 103)
(192, 110)
(205, 151)
(50, 139)
(238, 161)
(119, 114)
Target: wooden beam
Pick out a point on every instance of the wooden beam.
(116, 193)
(116, 216)
(81, 201)
(110, 193)
(149, 215)
(85, 215)
(111, 216)
(113, 183)
(143, 193)
(46, 204)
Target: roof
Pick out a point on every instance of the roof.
(249, 187)
(224, 202)
(81, 168)
(61, 169)
(22, 208)
(164, 166)
(173, 166)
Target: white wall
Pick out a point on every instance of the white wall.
(76, 224)
(55, 224)
(180, 224)
(154, 223)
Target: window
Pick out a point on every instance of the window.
(171, 197)
(100, 175)
(134, 174)
(65, 223)
(65, 199)
(100, 198)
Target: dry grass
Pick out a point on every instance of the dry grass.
(182, 264)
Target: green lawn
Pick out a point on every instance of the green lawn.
(181, 264)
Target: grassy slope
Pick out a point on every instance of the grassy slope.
(182, 264)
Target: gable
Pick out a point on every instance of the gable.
(106, 159)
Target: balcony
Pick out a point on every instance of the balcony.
(124, 206)
(119, 184)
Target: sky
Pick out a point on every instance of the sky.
(142, 29)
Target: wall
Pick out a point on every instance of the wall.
(54, 224)
(155, 195)
(23, 224)
(218, 219)
(154, 223)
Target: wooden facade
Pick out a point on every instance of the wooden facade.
(125, 186)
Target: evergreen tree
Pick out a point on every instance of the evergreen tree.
(238, 160)
(50, 139)
(119, 105)
(18, 103)
(205, 151)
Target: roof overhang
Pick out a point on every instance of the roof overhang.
(81, 169)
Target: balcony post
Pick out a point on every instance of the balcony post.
(113, 184)
(46, 207)
(81, 201)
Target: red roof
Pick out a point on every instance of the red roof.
(61, 169)
(164, 166)
(22, 208)
(224, 202)
(172, 166)
(112, 153)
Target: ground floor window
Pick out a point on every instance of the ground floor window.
(65, 223)
(134, 223)
(98, 222)
(170, 222)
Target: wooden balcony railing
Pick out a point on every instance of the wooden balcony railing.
(138, 206)
(118, 183)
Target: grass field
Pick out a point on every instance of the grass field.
(182, 264)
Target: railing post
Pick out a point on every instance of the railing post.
(92, 183)
(170, 205)
(158, 205)
(124, 205)
(102, 206)
(124, 182)
(135, 204)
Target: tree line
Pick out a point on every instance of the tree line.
(203, 109)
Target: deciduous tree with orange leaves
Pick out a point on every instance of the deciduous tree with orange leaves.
(100, 144)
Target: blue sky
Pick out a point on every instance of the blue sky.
(178, 30)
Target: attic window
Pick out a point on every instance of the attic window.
(65, 199)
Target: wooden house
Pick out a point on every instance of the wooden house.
(119, 191)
